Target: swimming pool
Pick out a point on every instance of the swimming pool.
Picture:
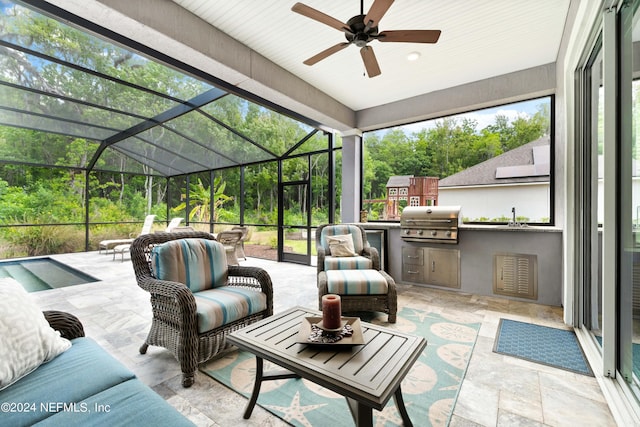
(39, 274)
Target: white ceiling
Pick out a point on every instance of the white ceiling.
(480, 39)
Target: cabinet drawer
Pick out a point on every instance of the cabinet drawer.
(412, 256)
(413, 273)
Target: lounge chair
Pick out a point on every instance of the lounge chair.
(240, 247)
(175, 222)
(107, 245)
(230, 239)
(125, 247)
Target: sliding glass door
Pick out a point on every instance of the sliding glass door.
(607, 199)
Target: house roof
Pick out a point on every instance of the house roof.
(399, 181)
(527, 163)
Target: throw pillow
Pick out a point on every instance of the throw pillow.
(341, 245)
(26, 339)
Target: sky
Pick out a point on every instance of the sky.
(483, 117)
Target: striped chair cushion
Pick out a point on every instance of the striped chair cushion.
(219, 306)
(356, 282)
(336, 230)
(198, 263)
(350, 262)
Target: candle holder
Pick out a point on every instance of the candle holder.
(331, 313)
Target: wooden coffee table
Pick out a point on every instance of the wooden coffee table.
(366, 375)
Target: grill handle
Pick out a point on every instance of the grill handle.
(427, 221)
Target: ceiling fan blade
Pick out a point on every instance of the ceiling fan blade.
(410, 36)
(319, 57)
(377, 11)
(316, 15)
(370, 61)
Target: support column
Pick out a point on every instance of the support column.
(351, 178)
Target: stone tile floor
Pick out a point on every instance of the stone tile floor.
(497, 390)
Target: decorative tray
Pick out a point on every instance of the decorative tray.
(312, 326)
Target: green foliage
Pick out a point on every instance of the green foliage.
(200, 201)
(450, 146)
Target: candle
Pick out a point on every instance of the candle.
(331, 311)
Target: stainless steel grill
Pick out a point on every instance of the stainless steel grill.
(434, 224)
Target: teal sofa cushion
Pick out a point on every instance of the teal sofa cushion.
(78, 373)
(54, 393)
(127, 404)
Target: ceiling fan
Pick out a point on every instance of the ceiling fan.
(361, 29)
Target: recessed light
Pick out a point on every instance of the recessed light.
(413, 56)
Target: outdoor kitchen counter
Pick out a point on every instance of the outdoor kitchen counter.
(499, 228)
(478, 244)
(462, 226)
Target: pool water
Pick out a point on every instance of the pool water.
(40, 274)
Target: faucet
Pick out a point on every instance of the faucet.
(513, 222)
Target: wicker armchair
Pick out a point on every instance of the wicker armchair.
(355, 275)
(175, 324)
(67, 324)
(366, 256)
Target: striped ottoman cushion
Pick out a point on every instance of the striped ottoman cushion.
(347, 263)
(225, 304)
(356, 282)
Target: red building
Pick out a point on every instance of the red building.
(414, 191)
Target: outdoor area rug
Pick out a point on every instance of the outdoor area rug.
(541, 344)
(430, 389)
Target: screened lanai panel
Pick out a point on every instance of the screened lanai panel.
(70, 82)
(115, 161)
(106, 122)
(316, 142)
(46, 124)
(161, 161)
(44, 148)
(217, 139)
(29, 29)
(273, 131)
(172, 152)
(150, 117)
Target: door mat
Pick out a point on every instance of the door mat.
(541, 344)
(430, 389)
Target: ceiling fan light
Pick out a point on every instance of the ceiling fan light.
(413, 56)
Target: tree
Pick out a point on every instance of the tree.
(200, 200)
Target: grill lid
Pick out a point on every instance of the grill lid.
(440, 216)
(437, 224)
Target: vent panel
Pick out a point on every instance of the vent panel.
(515, 275)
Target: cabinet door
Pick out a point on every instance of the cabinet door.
(516, 275)
(412, 264)
(443, 267)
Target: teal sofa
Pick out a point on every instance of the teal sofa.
(84, 386)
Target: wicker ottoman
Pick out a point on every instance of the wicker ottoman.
(360, 290)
